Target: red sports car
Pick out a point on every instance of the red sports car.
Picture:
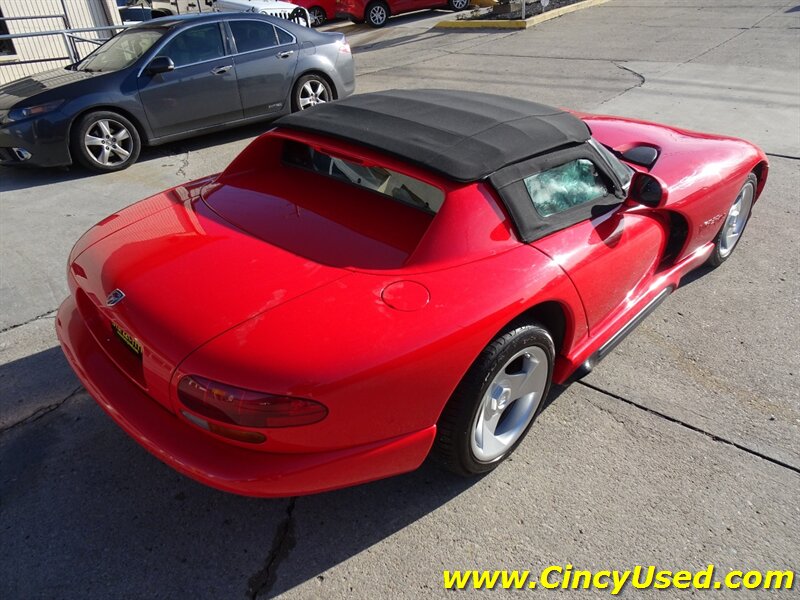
(386, 275)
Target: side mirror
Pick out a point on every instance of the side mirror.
(160, 64)
(646, 189)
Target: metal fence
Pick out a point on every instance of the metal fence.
(74, 40)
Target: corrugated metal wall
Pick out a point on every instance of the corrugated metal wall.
(79, 13)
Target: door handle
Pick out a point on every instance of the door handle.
(221, 70)
(285, 54)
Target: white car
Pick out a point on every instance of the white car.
(275, 8)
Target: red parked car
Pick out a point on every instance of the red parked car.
(376, 12)
(387, 274)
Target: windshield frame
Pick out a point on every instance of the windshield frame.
(624, 173)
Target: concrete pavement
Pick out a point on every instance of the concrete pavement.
(681, 449)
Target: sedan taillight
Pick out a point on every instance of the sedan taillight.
(237, 406)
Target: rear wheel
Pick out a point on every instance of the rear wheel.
(309, 91)
(496, 403)
(377, 13)
(318, 16)
(105, 141)
(735, 222)
(458, 5)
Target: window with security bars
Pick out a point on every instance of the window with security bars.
(6, 46)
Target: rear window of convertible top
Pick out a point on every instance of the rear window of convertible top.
(399, 187)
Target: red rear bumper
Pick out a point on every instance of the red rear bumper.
(214, 463)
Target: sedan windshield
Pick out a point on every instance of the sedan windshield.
(120, 51)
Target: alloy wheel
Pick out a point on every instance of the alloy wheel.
(312, 93)
(377, 15)
(736, 220)
(317, 16)
(509, 404)
(108, 142)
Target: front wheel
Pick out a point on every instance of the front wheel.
(318, 16)
(735, 222)
(309, 91)
(496, 403)
(105, 141)
(377, 14)
(457, 5)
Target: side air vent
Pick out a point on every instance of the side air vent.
(645, 156)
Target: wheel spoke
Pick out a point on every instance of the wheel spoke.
(122, 134)
(103, 125)
(121, 152)
(105, 154)
(525, 381)
(485, 432)
(305, 102)
(93, 140)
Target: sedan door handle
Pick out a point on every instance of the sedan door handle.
(285, 54)
(221, 70)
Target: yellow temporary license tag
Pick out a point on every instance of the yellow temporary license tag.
(128, 339)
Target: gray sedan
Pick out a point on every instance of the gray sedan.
(167, 79)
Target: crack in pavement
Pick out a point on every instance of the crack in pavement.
(691, 427)
(263, 580)
(31, 320)
(181, 172)
(39, 413)
(641, 82)
(786, 156)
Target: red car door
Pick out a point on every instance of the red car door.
(609, 248)
(610, 259)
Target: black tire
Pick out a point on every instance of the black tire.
(453, 445)
(377, 13)
(458, 5)
(91, 155)
(318, 16)
(723, 247)
(302, 96)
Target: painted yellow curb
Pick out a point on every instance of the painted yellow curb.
(483, 3)
(517, 24)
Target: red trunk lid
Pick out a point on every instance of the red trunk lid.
(187, 276)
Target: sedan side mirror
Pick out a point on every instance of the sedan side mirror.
(160, 64)
(648, 190)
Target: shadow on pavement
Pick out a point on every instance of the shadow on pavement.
(33, 383)
(88, 513)
(22, 178)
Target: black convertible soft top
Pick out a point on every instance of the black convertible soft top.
(465, 136)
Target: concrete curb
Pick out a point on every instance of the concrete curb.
(517, 24)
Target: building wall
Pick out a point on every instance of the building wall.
(79, 14)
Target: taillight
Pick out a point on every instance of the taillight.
(344, 47)
(246, 408)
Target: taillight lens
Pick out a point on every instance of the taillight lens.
(344, 47)
(247, 408)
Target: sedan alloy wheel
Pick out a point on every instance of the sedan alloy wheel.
(108, 142)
